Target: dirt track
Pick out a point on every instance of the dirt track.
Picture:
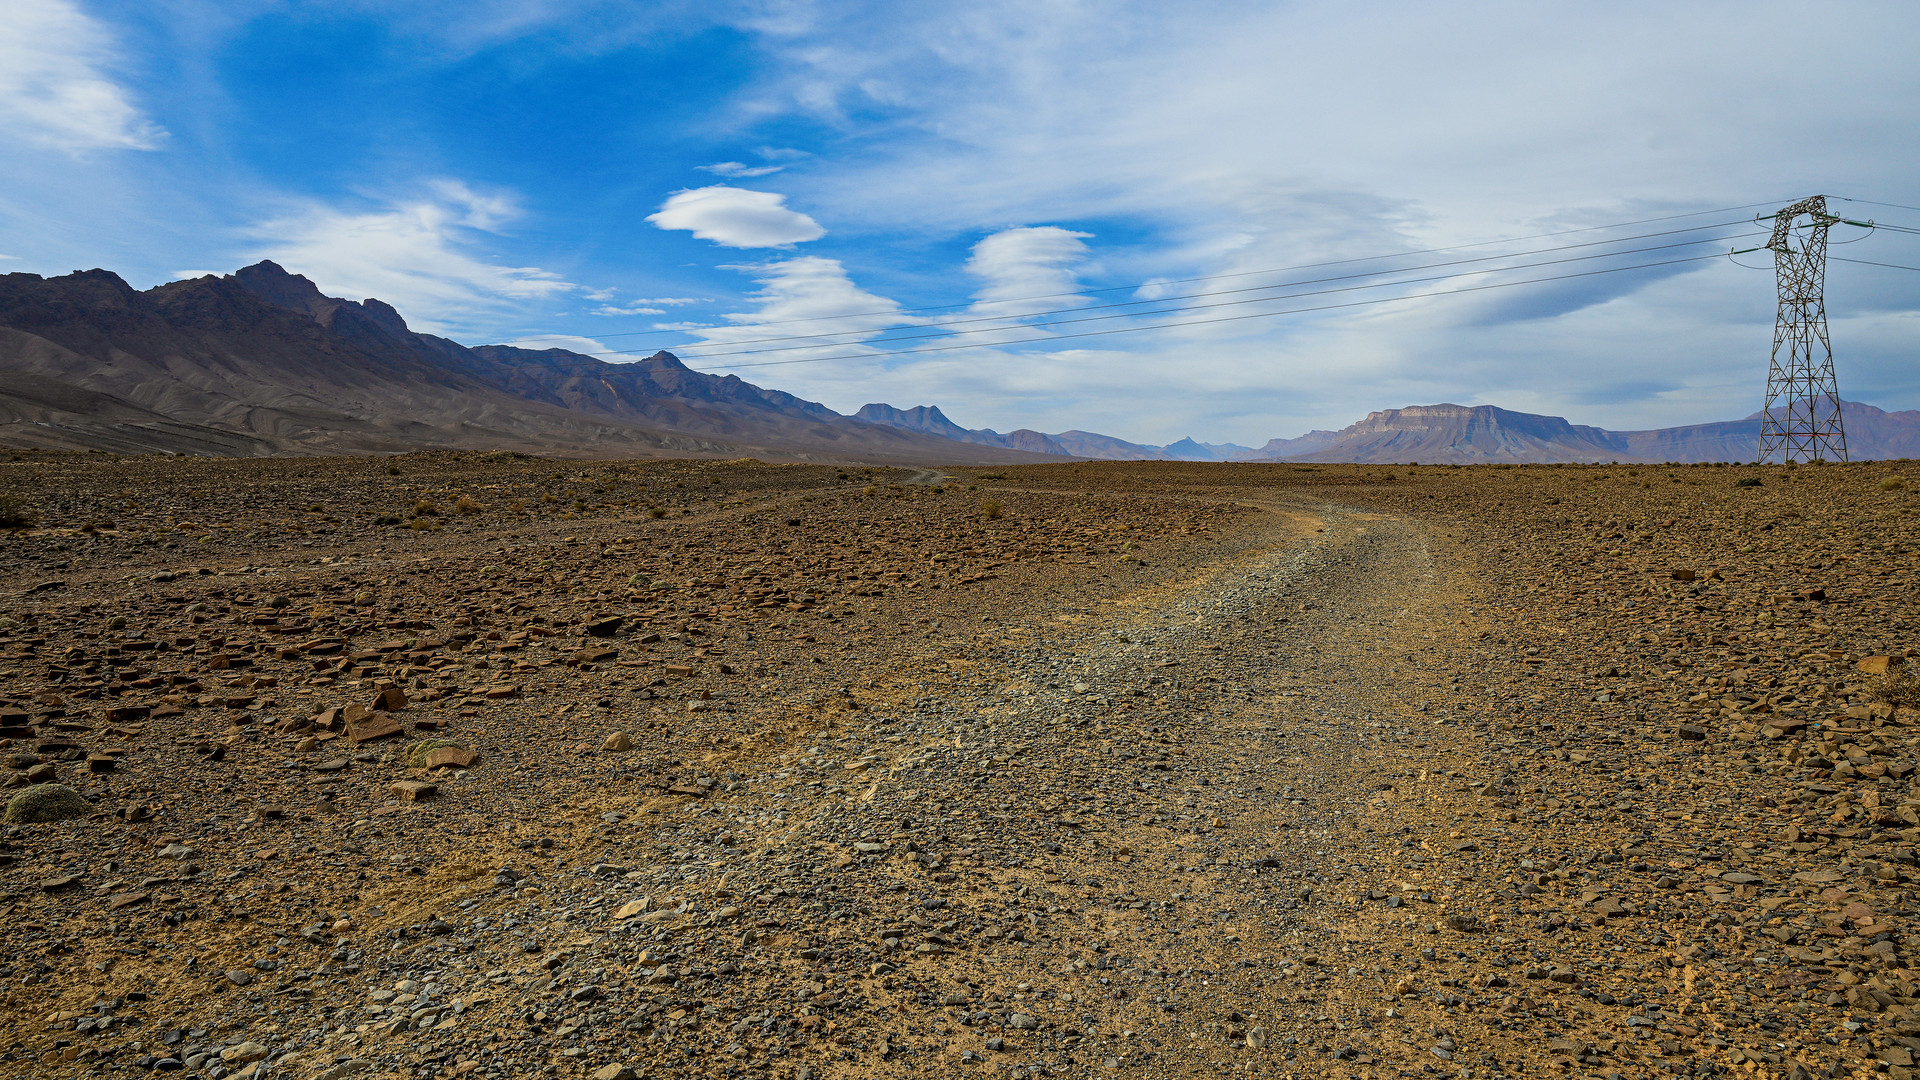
(1089, 770)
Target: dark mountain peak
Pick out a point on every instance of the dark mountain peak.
(271, 282)
(383, 315)
(924, 418)
(97, 276)
(663, 361)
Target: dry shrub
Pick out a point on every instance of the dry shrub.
(425, 508)
(420, 524)
(1893, 483)
(14, 514)
(656, 512)
(1899, 687)
(991, 509)
(465, 505)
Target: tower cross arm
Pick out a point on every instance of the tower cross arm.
(1814, 206)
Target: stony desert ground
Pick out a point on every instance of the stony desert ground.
(443, 765)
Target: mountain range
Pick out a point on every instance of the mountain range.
(1482, 434)
(261, 362)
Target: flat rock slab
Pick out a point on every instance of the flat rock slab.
(378, 725)
(413, 790)
(452, 757)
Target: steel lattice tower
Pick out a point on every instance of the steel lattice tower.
(1802, 419)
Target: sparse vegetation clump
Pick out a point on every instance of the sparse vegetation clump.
(991, 509)
(425, 508)
(417, 753)
(1899, 687)
(465, 504)
(14, 514)
(1893, 483)
(46, 802)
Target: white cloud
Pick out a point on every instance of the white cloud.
(735, 169)
(54, 85)
(737, 217)
(414, 254)
(1255, 135)
(569, 342)
(646, 305)
(1021, 264)
(802, 300)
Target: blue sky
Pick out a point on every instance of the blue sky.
(596, 175)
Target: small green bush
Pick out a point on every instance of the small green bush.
(46, 802)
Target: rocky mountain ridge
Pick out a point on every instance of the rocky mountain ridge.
(261, 362)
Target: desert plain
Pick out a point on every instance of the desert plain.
(455, 764)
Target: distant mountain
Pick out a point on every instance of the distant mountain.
(1190, 450)
(1283, 448)
(929, 420)
(1085, 444)
(1462, 434)
(261, 362)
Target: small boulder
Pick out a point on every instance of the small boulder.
(617, 741)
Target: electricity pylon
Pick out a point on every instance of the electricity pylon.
(1802, 418)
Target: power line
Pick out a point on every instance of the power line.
(1229, 318)
(1870, 202)
(1869, 262)
(1216, 277)
(684, 350)
(1223, 303)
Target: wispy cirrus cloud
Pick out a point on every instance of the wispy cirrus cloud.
(56, 89)
(736, 170)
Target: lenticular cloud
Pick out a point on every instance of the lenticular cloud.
(736, 217)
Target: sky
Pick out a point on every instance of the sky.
(1231, 221)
